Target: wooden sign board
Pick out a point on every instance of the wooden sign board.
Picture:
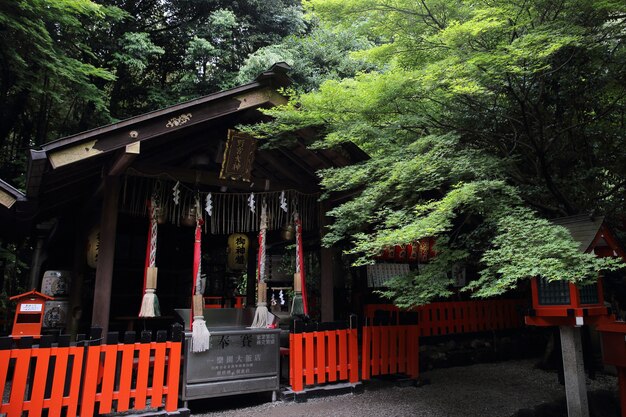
(238, 157)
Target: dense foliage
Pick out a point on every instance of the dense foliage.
(489, 117)
(71, 65)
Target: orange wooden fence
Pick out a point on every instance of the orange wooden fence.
(460, 317)
(322, 354)
(391, 349)
(91, 379)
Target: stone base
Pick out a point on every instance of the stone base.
(287, 394)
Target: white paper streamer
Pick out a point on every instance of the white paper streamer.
(251, 203)
(208, 207)
(283, 201)
(176, 192)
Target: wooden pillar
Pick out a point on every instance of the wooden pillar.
(78, 277)
(574, 370)
(327, 292)
(106, 253)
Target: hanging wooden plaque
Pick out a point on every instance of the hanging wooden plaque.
(238, 156)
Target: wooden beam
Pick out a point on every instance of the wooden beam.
(156, 124)
(193, 176)
(279, 166)
(6, 199)
(298, 162)
(125, 158)
(106, 254)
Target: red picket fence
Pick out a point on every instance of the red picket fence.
(319, 356)
(443, 318)
(91, 380)
(388, 350)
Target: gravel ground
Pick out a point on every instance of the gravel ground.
(485, 390)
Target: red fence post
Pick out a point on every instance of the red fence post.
(88, 393)
(353, 346)
(366, 353)
(296, 359)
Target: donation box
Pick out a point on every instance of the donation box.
(29, 313)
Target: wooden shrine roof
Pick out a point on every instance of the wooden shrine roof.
(185, 141)
(590, 232)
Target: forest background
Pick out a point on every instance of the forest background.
(482, 119)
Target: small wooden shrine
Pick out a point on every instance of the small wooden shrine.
(560, 303)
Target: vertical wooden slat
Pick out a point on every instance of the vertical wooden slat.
(5, 357)
(77, 353)
(296, 358)
(143, 367)
(18, 387)
(126, 376)
(173, 375)
(158, 374)
(343, 354)
(353, 346)
(385, 338)
(108, 378)
(331, 337)
(88, 394)
(413, 352)
(320, 345)
(402, 349)
(393, 349)
(39, 381)
(375, 350)
(58, 380)
(309, 357)
(366, 352)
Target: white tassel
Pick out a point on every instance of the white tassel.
(260, 316)
(200, 336)
(148, 304)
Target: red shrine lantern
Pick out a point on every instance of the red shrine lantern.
(561, 303)
(421, 251)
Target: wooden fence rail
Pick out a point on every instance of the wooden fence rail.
(326, 353)
(444, 318)
(90, 378)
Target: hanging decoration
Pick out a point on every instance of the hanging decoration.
(261, 314)
(176, 192)
(208, 206)
(150, 302)
(283, 202)
(200, 335)
(251, 202)
(281, 296)
(238, 156)
(299, 302)
(230, 212)
(93, 247)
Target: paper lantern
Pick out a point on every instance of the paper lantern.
(93, 246)
(238, 244)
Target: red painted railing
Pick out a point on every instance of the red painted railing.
(318, 356)
(462, 316)
(91, 380)
(390, 350)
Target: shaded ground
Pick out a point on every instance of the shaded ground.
(484, 390)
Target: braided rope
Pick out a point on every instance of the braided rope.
(298, 239)
(153, 231)
(262, 233)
